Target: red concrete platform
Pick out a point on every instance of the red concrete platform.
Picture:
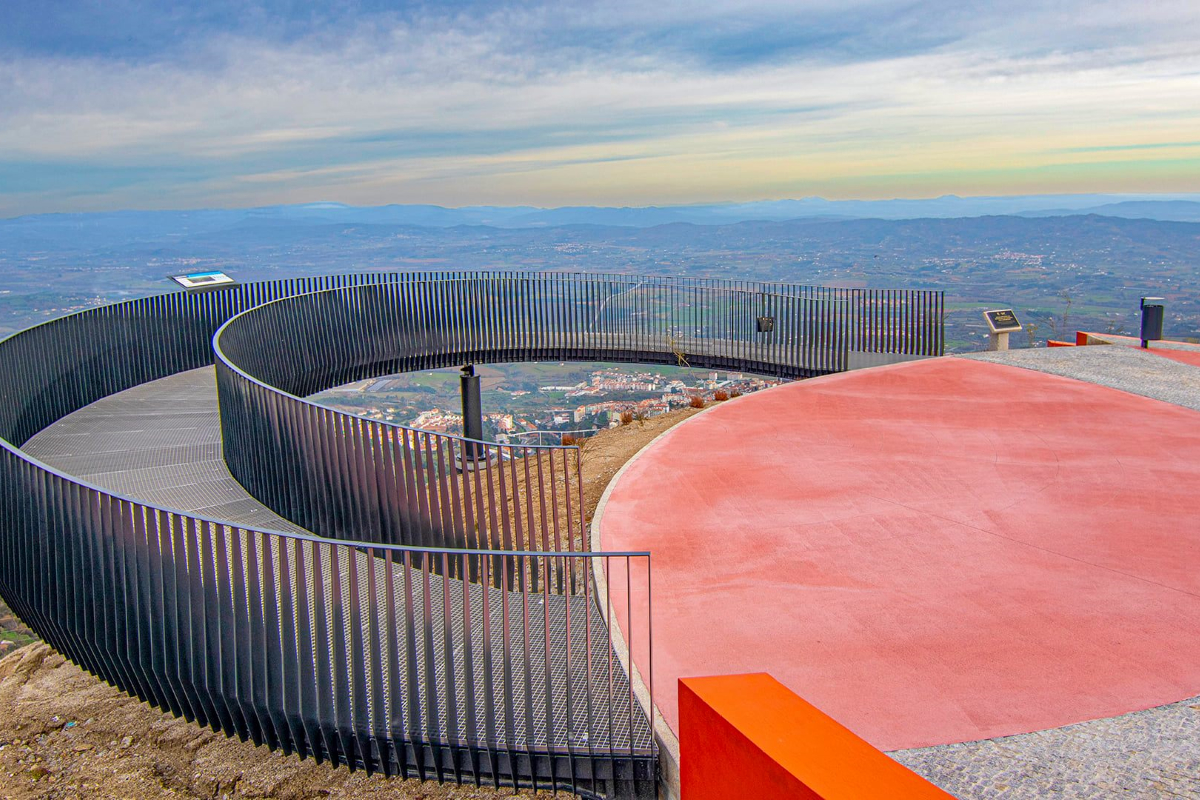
(934, 552)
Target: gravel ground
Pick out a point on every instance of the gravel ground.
(1126, 368)
(1153, 753)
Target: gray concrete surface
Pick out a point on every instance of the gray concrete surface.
(1153, 753)
(160, 443)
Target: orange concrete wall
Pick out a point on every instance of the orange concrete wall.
(1056, 343)
(751, 736)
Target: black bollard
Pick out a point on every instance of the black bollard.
(472, 410)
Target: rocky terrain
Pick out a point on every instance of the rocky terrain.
(66, 734)
(13, 632)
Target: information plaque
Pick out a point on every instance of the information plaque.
(198, 281)
(1002, 321)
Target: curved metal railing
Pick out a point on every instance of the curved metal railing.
(490, 662)
(352, 653)
(369, 655)
(352, 477)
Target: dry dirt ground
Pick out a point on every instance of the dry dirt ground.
(65, 734)
(607, 452)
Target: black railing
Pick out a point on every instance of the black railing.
(373, 656)
(452, 628)
(366, 480)
(359, 654)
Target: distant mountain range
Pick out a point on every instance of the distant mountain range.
(1164, 210)
(97, 229)
(1096, 254)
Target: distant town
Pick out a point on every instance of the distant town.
(539, 403)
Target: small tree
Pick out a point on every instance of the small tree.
(1059, 326)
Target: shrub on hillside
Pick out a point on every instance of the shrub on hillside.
(697, 401)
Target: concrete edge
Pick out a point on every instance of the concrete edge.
(668, 742)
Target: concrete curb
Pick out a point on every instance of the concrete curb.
(668, 742)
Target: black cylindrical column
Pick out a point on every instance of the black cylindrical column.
(472, 405)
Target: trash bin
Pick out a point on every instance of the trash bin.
(1152, 320)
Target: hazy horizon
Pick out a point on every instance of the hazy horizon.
(970, 203)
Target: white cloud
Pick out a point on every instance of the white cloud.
(531, 88)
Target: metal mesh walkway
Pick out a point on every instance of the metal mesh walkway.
(159, 442)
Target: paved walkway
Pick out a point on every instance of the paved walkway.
(936, 553)
(1147, 754)
(159, 442)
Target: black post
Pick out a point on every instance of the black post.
(472, 407)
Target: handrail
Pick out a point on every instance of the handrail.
(412, 672)
(357, 478)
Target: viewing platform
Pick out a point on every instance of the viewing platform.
(391, 599)
(986, 570)
(946, 552)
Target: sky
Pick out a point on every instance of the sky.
(119, 104)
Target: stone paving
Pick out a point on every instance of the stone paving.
(1153, 753)
(1133, 341)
